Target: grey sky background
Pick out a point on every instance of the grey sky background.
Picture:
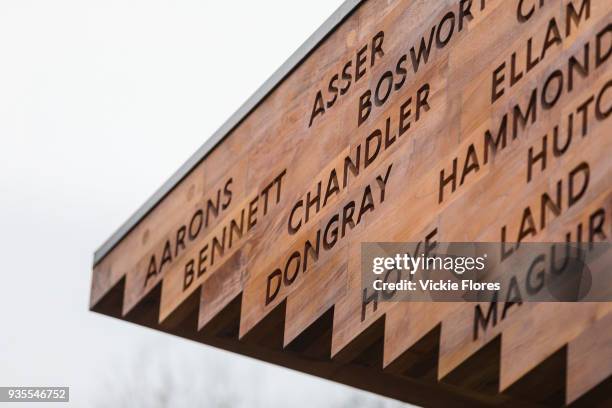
(100, 102)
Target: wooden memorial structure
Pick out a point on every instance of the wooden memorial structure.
(400, 120)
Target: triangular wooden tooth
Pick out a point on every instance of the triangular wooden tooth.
(314, 342)
(480, 371)
(326, 283)
(225, 323)
(470, 327)
(183, 321)
(268, 333)
(589, 362)
(544, 384)
(420, 359)
(111, 302)
(406, 326)
(222, 288)
(537, 335)
(365, 349)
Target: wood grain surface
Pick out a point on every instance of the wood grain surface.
(414, 121)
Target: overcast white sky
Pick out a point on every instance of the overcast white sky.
(100, 102)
